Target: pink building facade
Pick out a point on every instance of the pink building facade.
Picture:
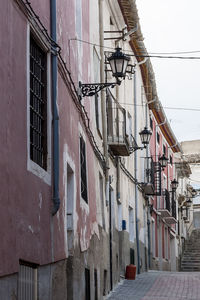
(68, 221)
(164, 206)
(40, 233)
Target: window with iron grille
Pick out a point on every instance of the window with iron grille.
(38, 105)
(84, 193)
(27, 281)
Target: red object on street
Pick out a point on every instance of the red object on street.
(130, 272)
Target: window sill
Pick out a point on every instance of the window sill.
(39, 172)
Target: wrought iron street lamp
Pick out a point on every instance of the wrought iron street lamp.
(118, 62)
(174, 184)
(189, 202)
(145, 136)
(163, 160)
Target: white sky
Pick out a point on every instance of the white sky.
(174, 26)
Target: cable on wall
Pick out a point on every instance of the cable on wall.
(26, 7)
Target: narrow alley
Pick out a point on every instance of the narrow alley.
(157, 285)
(100, 151)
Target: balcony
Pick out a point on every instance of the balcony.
(120, 139)
(167, 208)
(152, 187)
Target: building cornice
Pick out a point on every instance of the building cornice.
(131, 18)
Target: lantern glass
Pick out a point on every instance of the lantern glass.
(174, 184)
(118, 63)
(145, 136)
(189, 202)
(163, 161)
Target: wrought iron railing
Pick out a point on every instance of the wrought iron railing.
(167, 200)
(174, 209)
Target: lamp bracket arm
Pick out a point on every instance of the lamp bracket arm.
(91, 89)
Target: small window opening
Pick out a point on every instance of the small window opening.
(158, 138)
(95, 285)
(87, 284)
(84, 193)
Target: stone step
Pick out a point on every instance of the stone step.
(193, 247)
(185, 263)
(192, 261)
(190, 269)
(192, 254)
(195, 251)
(191, 257)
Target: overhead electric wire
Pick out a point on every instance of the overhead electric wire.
(171, 53)
(142, 56)
(165, 107)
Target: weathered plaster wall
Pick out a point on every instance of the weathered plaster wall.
(25, 199)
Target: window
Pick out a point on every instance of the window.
(102, 199)
(104, 282)
(70, 208)
(151, 123)
(84, 193)
(27, 281)
(164, 150)
(38, 105)
(158, 137)
(95, 285)
(132, 256)
(166, 243)
(170, 160)
(87, 284)
(129, 127)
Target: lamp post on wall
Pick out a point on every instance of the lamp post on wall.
(118, 62)
(119, 67)
(163, 160)
(145, 136)
(174, 185)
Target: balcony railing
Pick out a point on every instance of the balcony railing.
(174, 209)
(167, 208)
(120, 140)
(153, 179)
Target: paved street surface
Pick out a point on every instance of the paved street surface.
(159, 286)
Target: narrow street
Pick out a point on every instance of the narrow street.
(159, 286)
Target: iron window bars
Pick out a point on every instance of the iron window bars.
(38, 105)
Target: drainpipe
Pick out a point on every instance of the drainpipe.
(110, 236)
(136, 189)
(104, 127)
(56, 199)
(148, 213)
